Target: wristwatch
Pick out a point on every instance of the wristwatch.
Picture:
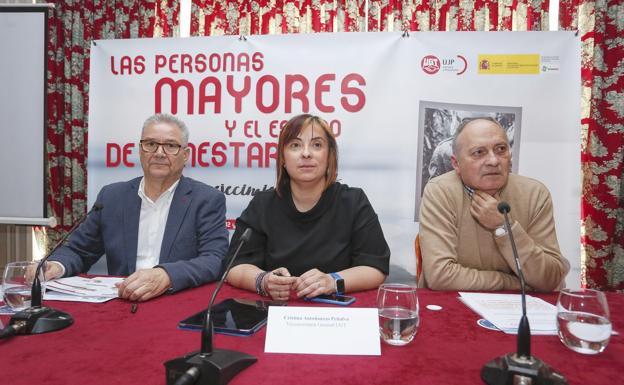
(500, 231)
(340, 286)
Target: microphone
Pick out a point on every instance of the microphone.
(521, 367)
(210, 366)
(40, 319)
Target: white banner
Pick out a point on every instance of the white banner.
(391, 101)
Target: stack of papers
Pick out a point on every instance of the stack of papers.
(505, 310)
(79, 289)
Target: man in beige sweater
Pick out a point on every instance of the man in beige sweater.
(463, 240)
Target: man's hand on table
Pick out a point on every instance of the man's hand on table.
(144, 284)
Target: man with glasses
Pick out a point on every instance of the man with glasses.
(164, 231)
(463, 241)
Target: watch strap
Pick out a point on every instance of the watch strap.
(340, 287)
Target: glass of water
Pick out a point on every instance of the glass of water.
(398, 313)
(17, 284)
(583, 320)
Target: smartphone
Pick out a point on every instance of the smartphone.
(334, 299)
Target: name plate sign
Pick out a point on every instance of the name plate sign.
(323, 330)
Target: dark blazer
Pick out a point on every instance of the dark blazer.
(193, 245)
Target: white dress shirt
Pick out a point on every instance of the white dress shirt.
(152, 223)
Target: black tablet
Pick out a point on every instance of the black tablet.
(233, 316)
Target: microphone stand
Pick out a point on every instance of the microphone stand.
(519, 368)
(37, 318)
(210, 366)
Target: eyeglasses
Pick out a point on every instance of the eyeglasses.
(168, 148)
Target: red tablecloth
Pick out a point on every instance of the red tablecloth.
(109, 345)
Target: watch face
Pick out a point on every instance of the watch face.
(500, 231)
(340, 286)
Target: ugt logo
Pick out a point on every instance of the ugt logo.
(430, 64)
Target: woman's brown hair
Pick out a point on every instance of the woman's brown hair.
(290, 131)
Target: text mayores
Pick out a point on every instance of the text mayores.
(292, 92)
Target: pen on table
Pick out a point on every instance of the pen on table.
(134, 308)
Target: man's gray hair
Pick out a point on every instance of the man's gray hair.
(169, 119)
(467, 121)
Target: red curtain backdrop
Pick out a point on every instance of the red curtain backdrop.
(253, 17)
(73, 25)
(456, 15)
(602, 119)
(230, 17)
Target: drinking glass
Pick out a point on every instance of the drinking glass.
(17, 284)
(583, 320)
(398, 313)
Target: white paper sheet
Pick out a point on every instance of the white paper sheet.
(323, 330)
(505, 310)
(56, 296)
(80, 289)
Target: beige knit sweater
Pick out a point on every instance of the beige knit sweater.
(459, 254)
